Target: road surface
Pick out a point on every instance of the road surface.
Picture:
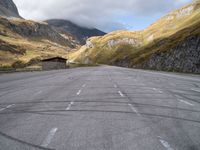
(99, 108)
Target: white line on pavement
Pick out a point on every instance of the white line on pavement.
(121, 94)
(115, 86)
(10, 106)
(157, 90)
(196, 90)
(134, 109)
(69, 106)
(79, 92)
(188, 103)
(50, 136)
(84, 85)
(2, 109)
(37, 93)
(165, 144)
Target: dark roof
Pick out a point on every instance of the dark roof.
(54, 58)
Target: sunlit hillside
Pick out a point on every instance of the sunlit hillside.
(135, 47)
(26, 42)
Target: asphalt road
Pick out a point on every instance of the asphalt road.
(99, 108)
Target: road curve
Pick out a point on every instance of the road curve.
(99, 108)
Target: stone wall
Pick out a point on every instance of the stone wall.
(48, 65)
(185, 57)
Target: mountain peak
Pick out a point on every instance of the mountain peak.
(80, 33)
(8, 9)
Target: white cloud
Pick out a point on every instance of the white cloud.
(95, 13)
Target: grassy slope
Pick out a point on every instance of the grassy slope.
(14, 47)
(160, 36)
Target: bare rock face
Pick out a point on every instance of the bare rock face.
(185, 57)
(89, 44)
(34, 31)
(129, 41)
(8, 9)
(81, 34)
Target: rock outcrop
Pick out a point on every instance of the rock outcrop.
(8, 9)
(80, 33)
(34, 31)
(129, 41)
(185, 57)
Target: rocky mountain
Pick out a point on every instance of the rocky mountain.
(171, 43)
(81, 34)
(8, 9)
(26, 41)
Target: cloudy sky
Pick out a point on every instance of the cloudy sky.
(107, 15)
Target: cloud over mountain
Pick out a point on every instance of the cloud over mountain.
(104, 14)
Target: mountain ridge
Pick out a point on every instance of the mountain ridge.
(8, 9)
(24, 42)
(80, 33)
(132, 48)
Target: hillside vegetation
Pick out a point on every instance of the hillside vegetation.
(26, 42)
(136, 47)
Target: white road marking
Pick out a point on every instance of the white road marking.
(121, 94)
(37, 93)
(115, 86)
(69, 106)
(50, 136)
(188, 103)
(10, 106)
(165, 144)
(134, 109)
(2, 109)
(84, 85)
(157, 90)
(79, 92)
(196, 90)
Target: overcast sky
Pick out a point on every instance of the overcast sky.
(107, 15)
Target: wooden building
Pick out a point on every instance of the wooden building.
(54, 63)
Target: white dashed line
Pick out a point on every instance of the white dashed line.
(79, 92)
(188, 103)
(165, 144)
(37, 93)
(134, 109)
(69, 106)
(115, 86)
(157, 90)
(84, 85)
(10, 106)
(2, 109)
(7, 107)
(196, 90)
(50, 136)
(121, 94)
